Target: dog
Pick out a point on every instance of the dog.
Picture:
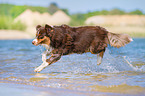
(64, 40)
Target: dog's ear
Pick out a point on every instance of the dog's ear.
(48, 27)
(37, 27)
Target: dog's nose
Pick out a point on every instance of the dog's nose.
(33, 42)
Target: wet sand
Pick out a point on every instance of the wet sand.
(10, 89)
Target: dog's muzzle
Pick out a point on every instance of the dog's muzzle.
(34, 42)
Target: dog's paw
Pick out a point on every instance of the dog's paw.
(41, 67)
(38, 69)
(98, 64)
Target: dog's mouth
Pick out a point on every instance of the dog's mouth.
(35, 44)
(42, 42)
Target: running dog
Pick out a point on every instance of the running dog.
(64, 40)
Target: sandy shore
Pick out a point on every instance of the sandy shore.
(133, 31)
(7, 89)
(14, 34)
(11, 89)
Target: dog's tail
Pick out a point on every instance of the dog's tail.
(118, 40)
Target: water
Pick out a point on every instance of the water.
(122, 71)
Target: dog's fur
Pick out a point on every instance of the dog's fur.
(64, 40)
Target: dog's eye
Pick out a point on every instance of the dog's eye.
(40, 37)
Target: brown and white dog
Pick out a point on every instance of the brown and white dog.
(64, 40)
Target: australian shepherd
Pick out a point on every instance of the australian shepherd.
(64, 40)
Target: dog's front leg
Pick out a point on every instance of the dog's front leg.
(52, 59)
(44, 55)
(41, 67)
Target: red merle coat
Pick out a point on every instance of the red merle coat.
(64, 40)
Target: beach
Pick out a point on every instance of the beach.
(121, 72)
(14, 34)
(7, 89)
(133, 31)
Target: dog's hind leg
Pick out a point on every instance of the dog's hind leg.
(99, 57)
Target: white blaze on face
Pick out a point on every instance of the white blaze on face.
(35, 40)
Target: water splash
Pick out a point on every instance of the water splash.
(114, 64)
(133, 67)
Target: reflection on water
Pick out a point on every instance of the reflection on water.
(116, 74)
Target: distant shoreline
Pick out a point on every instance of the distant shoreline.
(133, 31)
(14, 35)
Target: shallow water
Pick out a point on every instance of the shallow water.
(121, 72)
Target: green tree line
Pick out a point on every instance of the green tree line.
(8, 12)
(79, 18)
(15, 10)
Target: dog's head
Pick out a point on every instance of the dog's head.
(42, 35)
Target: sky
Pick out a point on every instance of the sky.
(83, 6)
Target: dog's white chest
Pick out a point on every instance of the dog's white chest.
(46, 46)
